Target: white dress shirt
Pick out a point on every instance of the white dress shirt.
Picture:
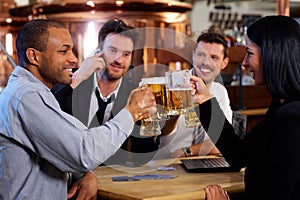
(94, 102)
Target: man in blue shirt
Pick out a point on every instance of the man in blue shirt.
(39, 143)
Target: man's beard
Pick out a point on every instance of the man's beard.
(112, 76)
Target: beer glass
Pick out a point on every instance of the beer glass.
(179, 92)
(191, 119)
(179, 96)
(150, 126)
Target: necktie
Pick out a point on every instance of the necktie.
(102, 106)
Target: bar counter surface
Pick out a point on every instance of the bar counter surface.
(184, 186)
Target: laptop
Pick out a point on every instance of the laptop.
(206, 165)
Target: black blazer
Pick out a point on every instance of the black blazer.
(136, 149)
(270, 151)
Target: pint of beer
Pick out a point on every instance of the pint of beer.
(179, 92)
(180, 101)
(158, 86)
(150, 126)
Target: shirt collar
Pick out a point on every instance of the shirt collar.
(22, 72)
(113, 94)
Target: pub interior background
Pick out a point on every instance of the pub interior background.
(189, 17)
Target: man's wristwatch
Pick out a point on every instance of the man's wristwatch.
(187, 151)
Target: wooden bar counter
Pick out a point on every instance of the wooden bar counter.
(184, 186)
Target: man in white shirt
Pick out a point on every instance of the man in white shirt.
(209, 58)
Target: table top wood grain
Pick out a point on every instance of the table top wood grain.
(185, 186)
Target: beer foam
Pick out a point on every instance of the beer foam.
(154, 80)
(180, 89)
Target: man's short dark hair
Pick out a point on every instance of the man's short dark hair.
(34, 34)
(213, 37)
(117, 26)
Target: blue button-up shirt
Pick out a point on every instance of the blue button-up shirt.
(40, 144)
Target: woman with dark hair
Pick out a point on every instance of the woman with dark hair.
(270, 151)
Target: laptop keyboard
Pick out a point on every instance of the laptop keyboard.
(218, 164)
(214, 162)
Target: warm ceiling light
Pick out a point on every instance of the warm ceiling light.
(90, 3)
(9, 43)
(119, 3)
(8, 20)
(89, 39)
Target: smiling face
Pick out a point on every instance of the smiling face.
(208, 60)
(54, 64)
(118, 55)
(253, 62)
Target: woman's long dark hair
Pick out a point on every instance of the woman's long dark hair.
(279, 40)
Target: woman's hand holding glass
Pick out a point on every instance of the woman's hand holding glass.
(200, 90)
